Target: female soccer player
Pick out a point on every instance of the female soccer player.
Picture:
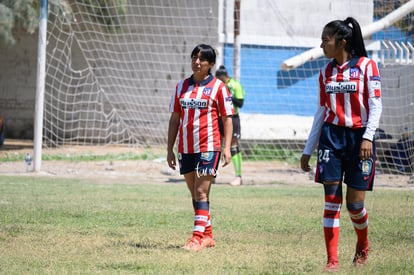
(195, 108)
(237, 95)
(348, 114)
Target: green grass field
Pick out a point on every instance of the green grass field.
(67, 226)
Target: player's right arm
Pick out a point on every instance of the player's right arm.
(173, 127)
(318, 120)
(312, 138)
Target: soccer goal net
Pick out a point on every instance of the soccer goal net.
(112, 66)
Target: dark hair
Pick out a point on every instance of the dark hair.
(221, 71)
(349, 30)
(207, 52)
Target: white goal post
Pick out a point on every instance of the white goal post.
(40, 86)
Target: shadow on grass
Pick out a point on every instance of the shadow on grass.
(171, 180)
(150, 245)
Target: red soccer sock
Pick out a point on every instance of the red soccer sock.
(359, 218)
(208, 230)
(200, 219)
(333, 203)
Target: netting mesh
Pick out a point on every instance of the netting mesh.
(112, 83)
(112, 67)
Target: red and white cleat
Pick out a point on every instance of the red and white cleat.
(208, 241)
(361, 257)
(193, 244)
(331, 267)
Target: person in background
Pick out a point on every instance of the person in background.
(196, 106)
(237, 95)
(1, 130)
(349, 110)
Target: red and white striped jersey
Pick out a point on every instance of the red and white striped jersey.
(344, 91)
(200, 106)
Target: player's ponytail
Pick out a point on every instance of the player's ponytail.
(221, 71)
(350, 31)
(356, 44)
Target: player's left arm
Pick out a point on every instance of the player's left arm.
(225, 106)
(228, 133)
(375, 109)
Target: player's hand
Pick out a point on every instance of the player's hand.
(304, 163)
(366, 149)
(171, 160)
(226, 157)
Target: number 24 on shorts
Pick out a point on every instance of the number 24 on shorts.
(323, 155)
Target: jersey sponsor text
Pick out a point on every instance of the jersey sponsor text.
(193, 103)
(341, 87)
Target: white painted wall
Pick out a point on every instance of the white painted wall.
(18, 85)
(290, 23)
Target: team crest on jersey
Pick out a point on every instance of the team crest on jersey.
(207, 91)
(354, 73)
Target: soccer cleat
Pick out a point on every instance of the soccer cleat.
(236, 182)
(331, 267)
(208, 241)
(361, 257)
(193, 244)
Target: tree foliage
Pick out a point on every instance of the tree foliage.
(23, 15)
(383, 8)
(107, 12)
(17, 14)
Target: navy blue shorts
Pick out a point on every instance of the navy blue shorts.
(236, 127)
(338, 158)
(204, 164)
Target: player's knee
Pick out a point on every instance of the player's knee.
(333, 189)
(354, 206)
(234, 150)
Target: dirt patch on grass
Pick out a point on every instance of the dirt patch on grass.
(155, 170)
